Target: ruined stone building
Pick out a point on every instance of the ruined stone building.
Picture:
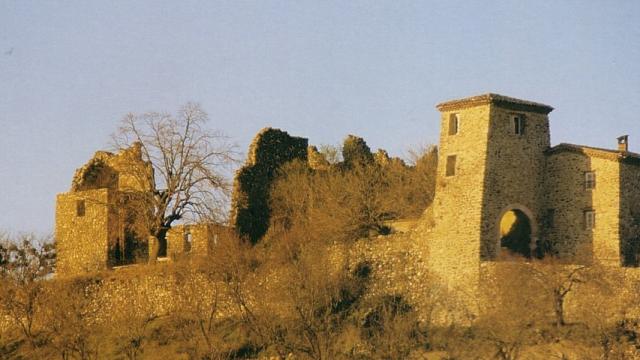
(101, 222)
(270, 149)
(495, 160)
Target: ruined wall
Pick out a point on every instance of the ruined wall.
(270, 149)
(113, 228)
(134, 174)
(125, 171)
(82, 239)
(203, 239)
(398, 266)
(606, 294)
(316, 160)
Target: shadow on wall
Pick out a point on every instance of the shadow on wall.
(568, 222)
(630, 212)
(515, 231)
(270, 149)
(565, 226)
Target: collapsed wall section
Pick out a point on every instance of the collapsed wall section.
(195, 239)
(103, 220)
(270, 149)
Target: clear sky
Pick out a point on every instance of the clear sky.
(70, 70)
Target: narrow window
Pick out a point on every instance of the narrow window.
(80, 208)
(589, 180)
(518, 124)
(454, 123)
(451, 165)
(589, 219)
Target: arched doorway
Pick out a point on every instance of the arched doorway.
(516, 233)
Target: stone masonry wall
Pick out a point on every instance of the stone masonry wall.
(112, 230)
(453, 245)
(568, 198)
(82, 241)
(270, 149)
(605, 201)
(204, 238)
(514, 175)
(630, 213)
(124, 171)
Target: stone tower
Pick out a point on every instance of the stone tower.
(101, 221)
(491, 161)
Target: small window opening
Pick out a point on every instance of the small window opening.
(589, 219)
(451, 165)
(80, 208)
(454, 123)
(187, 242)
(518, 124)
(589, 180)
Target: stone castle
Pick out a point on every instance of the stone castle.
(495, 162)
(101, 224)
(578, 202)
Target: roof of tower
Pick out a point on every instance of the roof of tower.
(617, 155)
(500, 100)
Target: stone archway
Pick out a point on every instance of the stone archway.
(517, 232)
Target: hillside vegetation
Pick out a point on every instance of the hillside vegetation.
(299, 294)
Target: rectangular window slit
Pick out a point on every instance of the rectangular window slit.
(518, 124)
(589, 180)
(451, 165)
(454, 123)
(589, 219)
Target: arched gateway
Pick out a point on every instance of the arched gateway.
(517, 233)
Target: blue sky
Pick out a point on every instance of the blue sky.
(70, 70)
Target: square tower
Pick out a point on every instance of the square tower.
(491, 161)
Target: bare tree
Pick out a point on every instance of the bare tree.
(26, 260)
(201, 324)
(558, 281)
(390, 328)
(189, 162)
(133, 321)
(72, 320)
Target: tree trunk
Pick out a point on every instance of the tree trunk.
(559, 310)
(161, 236)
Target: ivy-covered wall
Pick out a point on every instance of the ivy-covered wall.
(270, 149)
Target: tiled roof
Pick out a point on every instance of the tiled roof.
(596, 152)
(500, 100)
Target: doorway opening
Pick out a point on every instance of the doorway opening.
(515, 233)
